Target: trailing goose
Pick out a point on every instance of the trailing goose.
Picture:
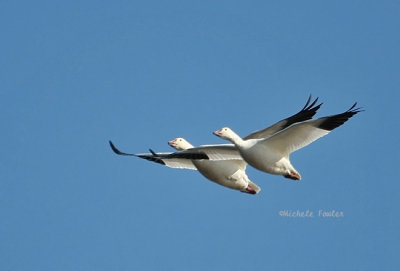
(228, 173)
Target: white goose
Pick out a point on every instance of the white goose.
(271, 154)
(228, 173)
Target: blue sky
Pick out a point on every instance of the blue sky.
(75, 74)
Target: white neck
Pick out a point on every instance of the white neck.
(189, 146)
(236, 139)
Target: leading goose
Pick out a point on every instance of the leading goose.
(271, 154)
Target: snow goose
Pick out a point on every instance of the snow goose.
(271, 154)
(228, 173)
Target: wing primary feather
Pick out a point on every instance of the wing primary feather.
(178, 155)
(188, 155)
(311, 105)
(306, 113)
(331, 122)
(151, 158)
(181, 155)
(308, 101)
(118, 151)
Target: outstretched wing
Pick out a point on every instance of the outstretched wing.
(306, 113)
(169, 159)
(301, 134)
(217, 152)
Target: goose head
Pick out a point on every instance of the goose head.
(226, 133)
(180, 144)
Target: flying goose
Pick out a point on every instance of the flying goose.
(271, 154)
(229, 173)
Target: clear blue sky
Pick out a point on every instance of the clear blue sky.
(74, 74)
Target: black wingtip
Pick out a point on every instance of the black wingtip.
(332, 122)
(153, 158)
(354, 109)
(118, 151)
(114, 148)
(306, 113)
(152, 152)
(309, 105)
(308, 101)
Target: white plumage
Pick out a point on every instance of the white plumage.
(268, 149)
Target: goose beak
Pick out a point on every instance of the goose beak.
(218, 132)
(172, 142)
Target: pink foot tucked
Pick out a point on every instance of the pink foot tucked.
(250, 190)
(293, 175)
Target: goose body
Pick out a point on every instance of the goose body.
(228, 173)
(272, 153)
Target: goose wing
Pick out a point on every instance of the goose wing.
(301, 134)
(169, 159)
(217, 152)
(306, 113)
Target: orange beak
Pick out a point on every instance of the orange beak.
(218, 132)
(171, 143)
